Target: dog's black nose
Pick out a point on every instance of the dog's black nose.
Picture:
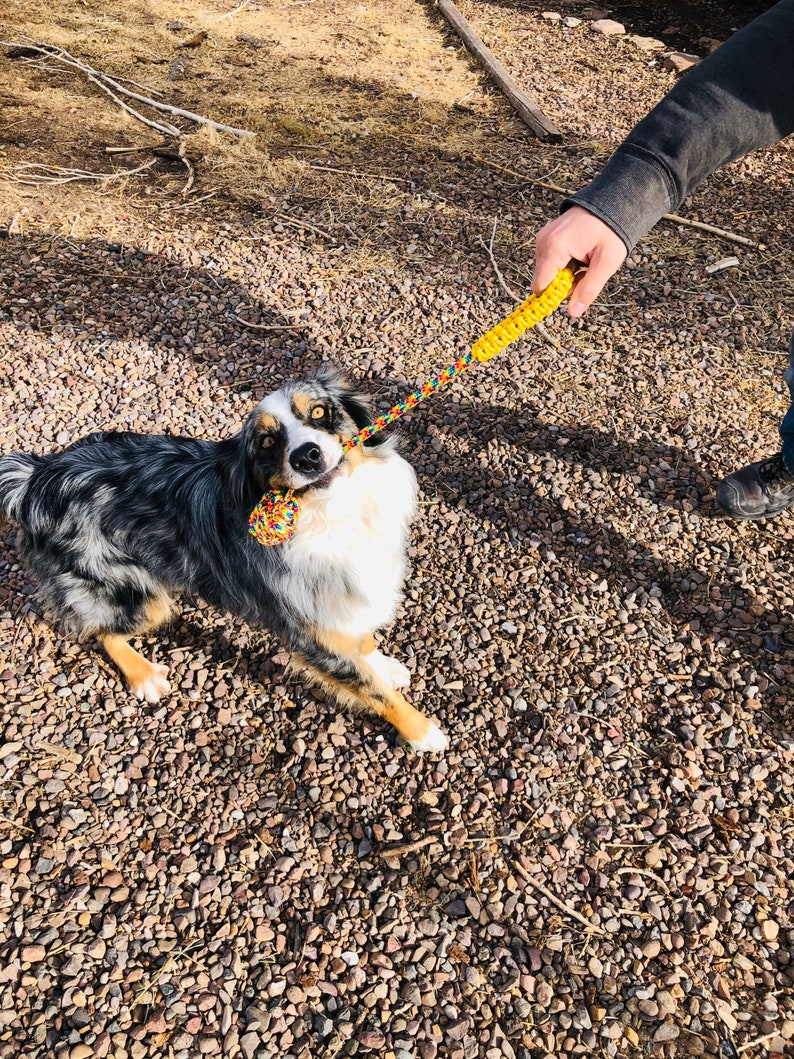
(307, 459)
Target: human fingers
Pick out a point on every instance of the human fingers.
(551, 253)
(580, 236)
(606, 259)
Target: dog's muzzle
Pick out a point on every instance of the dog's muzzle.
(307, 460)
(314, 466)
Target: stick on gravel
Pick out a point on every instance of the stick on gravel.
(529, 113)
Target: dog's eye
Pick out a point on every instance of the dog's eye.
(267, 441)
(318, 412)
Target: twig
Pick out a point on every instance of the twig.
(473, 873)
(489, 250)
(721, 232)
(286, 219)
(193, 202)
(644, 871)
(191, 172)
(53, 174)
(759, 1040)
(19, 827)
(547, 336)
(409, 847)
(236, 11)
(131, 150)
(672, 217)
(109, 85)
(355, 173)
(166, 966)
(589, 927)
(264, 327)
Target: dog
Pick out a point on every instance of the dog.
(117, 524)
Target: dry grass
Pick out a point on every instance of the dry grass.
(315, 81)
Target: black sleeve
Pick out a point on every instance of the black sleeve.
(738, 99)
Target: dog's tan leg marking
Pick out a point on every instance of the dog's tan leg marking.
(413, 726)
(375, 692)
(157, 613)
(390, 671)
(147, 680)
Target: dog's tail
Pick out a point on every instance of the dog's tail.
(15, 472)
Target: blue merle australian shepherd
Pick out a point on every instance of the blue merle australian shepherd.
(117, 524)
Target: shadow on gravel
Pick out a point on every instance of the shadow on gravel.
(704, 604)
(681, 23)
(99, 292)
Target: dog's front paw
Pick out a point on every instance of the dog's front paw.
(389, 670)
(154, 685)
(432, 742)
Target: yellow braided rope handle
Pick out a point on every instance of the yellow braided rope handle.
(529, 313)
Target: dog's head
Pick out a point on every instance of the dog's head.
(293, 439)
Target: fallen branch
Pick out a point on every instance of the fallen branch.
(34, 174)
(529, 113)
(561, 905)
(113, 88)
(672, 217)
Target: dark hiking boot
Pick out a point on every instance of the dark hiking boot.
(760, 489)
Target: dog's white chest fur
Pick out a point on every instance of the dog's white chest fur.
(347, 559)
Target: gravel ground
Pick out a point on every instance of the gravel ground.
(601, 864)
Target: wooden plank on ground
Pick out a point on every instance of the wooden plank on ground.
(529, 113)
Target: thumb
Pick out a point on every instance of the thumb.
(603, 264)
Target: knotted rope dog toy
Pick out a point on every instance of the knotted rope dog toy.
(274, 519)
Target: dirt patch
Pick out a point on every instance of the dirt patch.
(313, 81)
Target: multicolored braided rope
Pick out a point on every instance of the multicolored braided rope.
(274, 519)
(411, 401)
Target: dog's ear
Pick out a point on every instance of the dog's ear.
(360, 411)
(236, 466)
(357, 407)
(355, 404)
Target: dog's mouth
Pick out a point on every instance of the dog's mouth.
(323, 480)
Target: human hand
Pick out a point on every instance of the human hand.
(578, 235)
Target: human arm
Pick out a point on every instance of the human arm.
(738, 99)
